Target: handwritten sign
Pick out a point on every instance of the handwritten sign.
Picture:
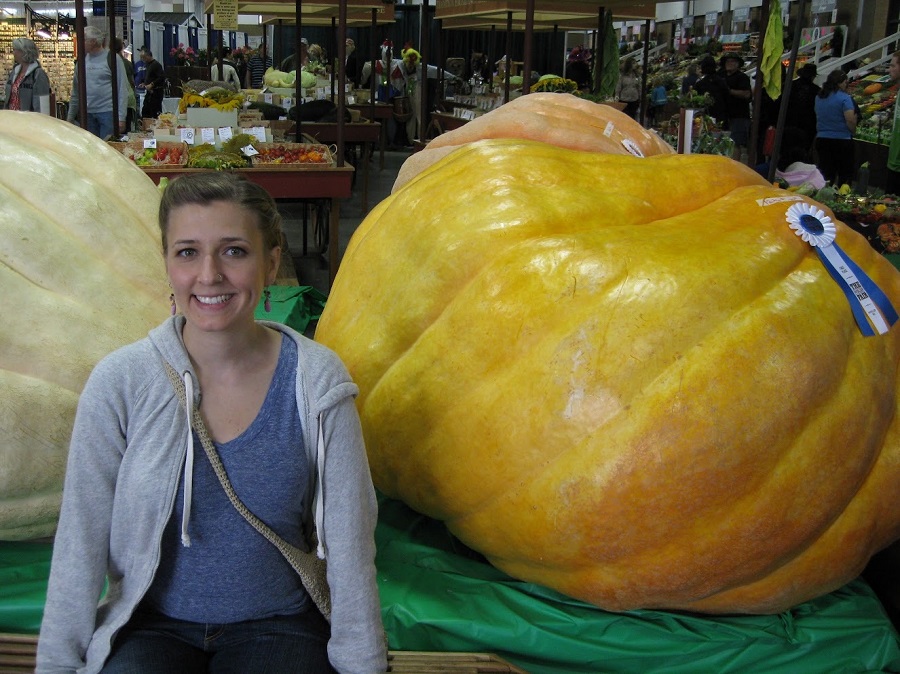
(187, 135)
(208, 135)
(225, 14)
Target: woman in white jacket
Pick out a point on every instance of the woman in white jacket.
(226, 72)
(192, 587)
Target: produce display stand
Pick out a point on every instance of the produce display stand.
(381, 112)
(447, 122)
(291, 183)
(362, 133)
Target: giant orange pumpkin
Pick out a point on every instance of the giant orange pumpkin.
(624, 378)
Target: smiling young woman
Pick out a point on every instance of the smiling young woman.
(142, 512)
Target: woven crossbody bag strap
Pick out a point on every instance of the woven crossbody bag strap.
(306, 564)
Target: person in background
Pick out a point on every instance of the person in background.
(317, 59)
(226, 73)
(690, 79)
(98, 85)
(240, 64)
(892, 182)
(578, 68)
(406, 80)
(835, 124)
(257, 66)
(125, 54)
(737, 103)
(154, 86)
(628, 89)
(27, 80)
(352, 69)
(140, 69)
(658, 100)
(192, 586)
(710, 83)
(801, 110)
(290, 63)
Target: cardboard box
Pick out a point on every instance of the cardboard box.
(210, 117)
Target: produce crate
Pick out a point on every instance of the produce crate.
(293, 155)
(134, 149)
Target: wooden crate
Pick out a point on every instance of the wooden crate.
(17, 654)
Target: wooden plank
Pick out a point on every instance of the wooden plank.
(17, 653)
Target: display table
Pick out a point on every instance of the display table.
(447, 122)
(288, 183)
(363, 133)
(381, 112)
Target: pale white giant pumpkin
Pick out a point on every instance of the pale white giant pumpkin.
(82, 274)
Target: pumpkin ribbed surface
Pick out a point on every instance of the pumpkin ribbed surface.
(82, 274)
(623, 378)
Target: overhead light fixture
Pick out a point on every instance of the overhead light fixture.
(64, 34)
(43, 33)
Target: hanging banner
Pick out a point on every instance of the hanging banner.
(225, 14)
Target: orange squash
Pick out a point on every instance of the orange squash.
(873, 88)
(560, 119)
(626, 379)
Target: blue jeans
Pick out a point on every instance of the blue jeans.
(152, 643)
(100, 124)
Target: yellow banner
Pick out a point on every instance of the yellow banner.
(225, 14)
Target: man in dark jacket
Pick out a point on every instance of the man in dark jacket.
(738, 103)
(710, 83)
(801, 111)
(154, 85)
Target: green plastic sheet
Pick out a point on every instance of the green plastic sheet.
(294, 306)
(437, 595)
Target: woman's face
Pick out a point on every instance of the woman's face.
(217, 264)
(18, 55)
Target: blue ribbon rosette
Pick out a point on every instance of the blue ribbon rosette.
(871, 307)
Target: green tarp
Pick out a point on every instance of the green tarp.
(295, 306)
(438, 595)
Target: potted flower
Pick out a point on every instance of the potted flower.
(183, 56)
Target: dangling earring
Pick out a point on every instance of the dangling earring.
(172, 302)
(268, 305)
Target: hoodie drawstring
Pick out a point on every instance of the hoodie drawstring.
(189, 461)
(320, 496)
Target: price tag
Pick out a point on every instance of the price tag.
(187, 135)
(287, 102)
(208, 135)
(149, 143)
(320, 93)
(225, 133)
(249, 151)
(258, 132)
(267, 98)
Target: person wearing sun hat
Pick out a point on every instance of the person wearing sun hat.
(737, 103)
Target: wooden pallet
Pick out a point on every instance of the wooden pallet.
(17, 654)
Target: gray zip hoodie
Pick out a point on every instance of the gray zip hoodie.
(128, 448)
